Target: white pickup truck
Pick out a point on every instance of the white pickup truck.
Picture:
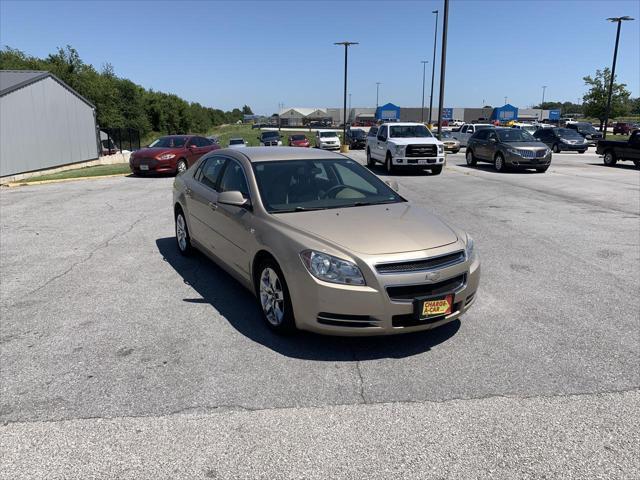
(405, 145)
(467, 130)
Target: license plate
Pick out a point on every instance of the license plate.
(144, 167)
(422, 162)
(435, 307)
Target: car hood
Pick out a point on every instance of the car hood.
(414, 141)
(390, 228)
(525, 144)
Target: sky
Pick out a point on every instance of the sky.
(227, 54)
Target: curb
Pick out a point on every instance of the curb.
(61, 180)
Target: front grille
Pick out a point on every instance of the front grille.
(423, 264)
(421, 150)
(409, 292)
(152, 162)
(342, 320)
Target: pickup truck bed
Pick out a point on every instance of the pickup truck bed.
(613, 151)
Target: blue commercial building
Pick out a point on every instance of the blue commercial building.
(388, 112)
(505, 113)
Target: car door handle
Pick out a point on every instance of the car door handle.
(213, 206)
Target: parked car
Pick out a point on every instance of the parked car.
(586, 130)
(526, 126)
(405, 145)
(356, 138)
(450, 144)
(299, 140)
(562, 139)
(327, 140)
(237, 143)
(170, 154)
(288, 224)
(508, 148)
(467, 130)
(270, 138)
(622, 128)
(615, 151)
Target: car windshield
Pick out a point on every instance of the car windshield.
(515, 135)
(270, 134)
(483, 127)
(236, 141)
(585, 127)
(446, 135)
(299, 185)
(168, 142)
(328, 134)
(409, 131)
(297, 137)
(357, 133)
(567, 133)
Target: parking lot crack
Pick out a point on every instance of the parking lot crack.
(88, 257)
(356, 361)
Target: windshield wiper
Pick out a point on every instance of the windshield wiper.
(299, 209)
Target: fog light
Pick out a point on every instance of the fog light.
(399, 160)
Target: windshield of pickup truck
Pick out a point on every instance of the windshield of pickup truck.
(409, 131)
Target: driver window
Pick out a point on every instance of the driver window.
(464, 129)
(493, 136)
(233, 179)
(382, 133)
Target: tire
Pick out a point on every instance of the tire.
(499, 163)
(471, 158)
(636, 163)
(273, 297)
(181, 166)
(436, 170)
(370, 161)
(183, 239)
(555, 148)
(388, 164)
(582, 151)
(609, 158)
(542, 169)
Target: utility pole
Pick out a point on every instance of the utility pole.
(377, 93)
(433, 65)
(443, 65)
(544, 87)
(424, 66)
(344, 104)
(619, 20)
(349, 116)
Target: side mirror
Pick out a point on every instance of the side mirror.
(493, 140)
(393, 184)
(233, 197)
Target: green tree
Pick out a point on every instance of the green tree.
(246, 110)
(595, 100)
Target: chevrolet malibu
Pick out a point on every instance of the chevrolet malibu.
(323, 243)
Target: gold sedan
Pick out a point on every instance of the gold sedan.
(323, 243)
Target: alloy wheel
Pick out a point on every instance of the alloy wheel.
(182, 166)
(271, 296)
(181, 232)
(499, 163)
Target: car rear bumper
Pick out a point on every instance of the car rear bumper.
(573, 148)
(366, 311)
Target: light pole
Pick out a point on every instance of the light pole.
(443, 64)
(619, 20)
(433, 65)
(544, 87)
(377, 92)
(344, 103)
(424, 65)
(349, 108)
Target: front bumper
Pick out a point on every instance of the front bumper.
(329, 146)
(151, 165)
(572, 147)
(517, 161)
(333, 309)
(418, 162)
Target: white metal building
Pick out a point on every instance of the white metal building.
(44, 123)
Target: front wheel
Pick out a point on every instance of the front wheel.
(471, 159)
(370, 162)
(542, 169)
(499, 163)
(389, 164)
(637, 163)
(555, 148)
(181, 167)
(436, 170)
(610, 159)
(274, 298)
(582, 151)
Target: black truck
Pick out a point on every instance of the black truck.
(613, 151)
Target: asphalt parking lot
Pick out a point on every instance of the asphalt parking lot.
(121, 359)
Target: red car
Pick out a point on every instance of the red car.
(621, 128)
(170, 154)
(298, 141)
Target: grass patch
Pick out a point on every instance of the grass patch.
(96, 171)
(617, 138)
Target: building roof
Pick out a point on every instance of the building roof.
(12, 80)
(302, 111)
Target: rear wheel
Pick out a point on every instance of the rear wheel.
(182, 234)
(274, 298)
(389, 164)
(555, 148)
(499, 163)
(436, 170)
(610, 159)
(471, 159)
(636, 163)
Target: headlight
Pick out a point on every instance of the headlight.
(513, 151)
(166, 156)
(440, 148)
(469, 248)
(331, 269)
(399, 149)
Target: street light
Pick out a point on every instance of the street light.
(544, 87)
(377, 92)
(433, 65)
(619, 20)
(349, 107)
(344, 105)
(424, 65)
(443, 64)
